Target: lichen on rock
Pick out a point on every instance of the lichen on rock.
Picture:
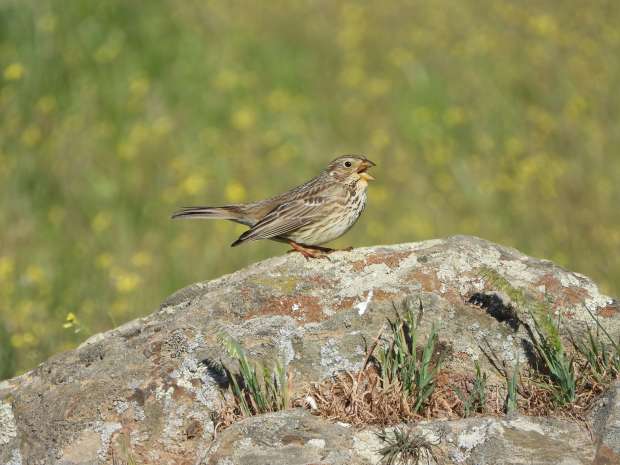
(148, 386)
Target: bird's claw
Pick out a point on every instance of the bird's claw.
(308, 255)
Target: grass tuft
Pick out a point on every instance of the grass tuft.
(127, 456)
(603, 358)
(512, 383)
(396, 382)
(405, 447)
(255, 389)
(556, 363)
(474, 401)
(400, 362)
(563, 379)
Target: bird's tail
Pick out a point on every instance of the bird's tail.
(227, 212)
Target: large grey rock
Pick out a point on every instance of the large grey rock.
(143, 387)
(298, 438)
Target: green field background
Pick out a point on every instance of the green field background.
(494, 118)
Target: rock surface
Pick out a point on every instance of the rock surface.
(142, 390)
(298, 438)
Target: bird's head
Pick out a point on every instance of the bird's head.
(351, 168)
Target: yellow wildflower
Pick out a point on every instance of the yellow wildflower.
(31, 136)
(103, 261)
(162, 126)
(14, 72)
(244, 118)
(101, 222)
(193, 184)
(226, 80)
(141, 259)
(126, 281)
(6, 267)
(235, 192)
(46, 104)
(139, 86)
(70, 320)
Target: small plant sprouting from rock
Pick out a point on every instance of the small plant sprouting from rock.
(561, 380)
(395, 384)
(406, 447)
(255, 389)
(512, 384)
(399, 362)
(556, 363)
(127, 457)
(475, 400)
(602, 358)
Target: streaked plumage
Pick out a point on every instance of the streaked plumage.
(307, 216)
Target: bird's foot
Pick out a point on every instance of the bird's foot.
(322, 249)
(328, 250)
(309, 252)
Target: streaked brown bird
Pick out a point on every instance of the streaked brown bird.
(307, 216)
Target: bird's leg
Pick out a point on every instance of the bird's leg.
(328, 250)
(322, 249)
(307, 252)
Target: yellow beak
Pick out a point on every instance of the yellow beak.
(362, 170)
(365, 176)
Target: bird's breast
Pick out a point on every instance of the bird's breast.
(338, 218)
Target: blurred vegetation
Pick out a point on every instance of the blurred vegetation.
(499, 119)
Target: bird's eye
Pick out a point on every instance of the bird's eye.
(347, 164)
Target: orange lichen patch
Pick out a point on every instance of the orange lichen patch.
(606, 455)
(429, 281)
(302, 308)
(608, 312)
(380, 295)
(392, 260)
(462, 356)
(179, 393)
(346, 303)
(562, 296)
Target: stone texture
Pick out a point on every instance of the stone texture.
(607, 425)
(297, 438)
(144, 387)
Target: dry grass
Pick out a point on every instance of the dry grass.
(537, 396)
(405, 447)
(403, 381)
(360, 400)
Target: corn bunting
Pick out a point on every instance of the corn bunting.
(307, 216)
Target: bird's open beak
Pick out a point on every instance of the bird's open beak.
(362, 170)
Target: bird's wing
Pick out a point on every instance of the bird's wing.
(286, 218)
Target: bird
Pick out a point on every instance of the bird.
(307, 216)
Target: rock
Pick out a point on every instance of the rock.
(607, 426)
(298, 438)
(145, 390)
